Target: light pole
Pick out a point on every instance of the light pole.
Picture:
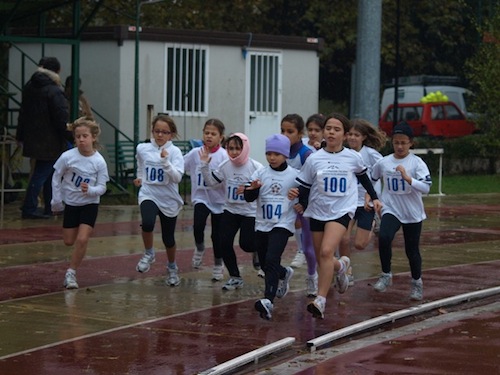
(139, 4)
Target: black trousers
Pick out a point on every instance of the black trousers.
(201, 213)
(230, 225)
(149, 211)
(389, 225)
(270, 247)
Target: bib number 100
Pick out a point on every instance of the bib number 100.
(335, 184)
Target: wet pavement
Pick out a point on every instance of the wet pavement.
(123, 322)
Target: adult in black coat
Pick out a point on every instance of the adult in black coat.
(42, 130)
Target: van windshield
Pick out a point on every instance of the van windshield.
(412, 113)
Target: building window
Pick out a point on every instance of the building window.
(186, 79)
(264, 89)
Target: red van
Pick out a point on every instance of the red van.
(439, 119)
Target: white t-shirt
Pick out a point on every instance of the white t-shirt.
(333, 183)
(212, 196)
(160, 176)
(398, 197)
(274, 209)
(73, 168)
(370, 157)
(233, 176)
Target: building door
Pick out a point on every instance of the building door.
(263, 100)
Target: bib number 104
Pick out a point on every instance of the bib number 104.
(271, 212)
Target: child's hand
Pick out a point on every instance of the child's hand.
(317, 145)
(293, 193)
(57, 207)
(163, 153)
(205, 154)
(377, 206)
(405, 176)
(298, 208)
(256, 184)
(85, 187)
(240, 190)
(137, 182)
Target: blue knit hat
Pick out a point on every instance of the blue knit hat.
(403, 128)
(278, 143)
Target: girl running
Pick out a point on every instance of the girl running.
(160, 167)
(405, 177)
(79, 180)
(238, 215)
(365, 139)
(207, 200)
(292, 126)
(329, 180)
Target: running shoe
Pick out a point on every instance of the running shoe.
(317, 308)
(173, 278)
(284, 285)
(417, 290)
(70, 281)
(299, 260)
(341, 279)
(145, 263)
(384, 281)
(265, 308)
(233, 283)
(312, 285)
(218, 272)
(197, 258)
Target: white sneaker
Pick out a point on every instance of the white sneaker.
(218, 272)
(265, 308)
(384, 281)
(317, 308)
(312, 285)
(233, 283)
(284, 285)
(299, 260)
(417, 290)
(70, 281)
(145, 263)
(197, 258)
(173, 278)
(261, 274)
(350, 276)
(341, 279)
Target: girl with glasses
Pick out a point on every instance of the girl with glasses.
(160, 167)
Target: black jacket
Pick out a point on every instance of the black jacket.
(43, 117)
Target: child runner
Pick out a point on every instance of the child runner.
(329, 177)
(292, 126)
(275, 220)
(207, 200)
(405, 177)
(314, 125)
(79, 179)
(160, 167)
(365, 139)
(238, 214)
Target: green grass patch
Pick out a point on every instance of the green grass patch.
(470, 184)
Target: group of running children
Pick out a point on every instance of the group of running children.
(315, 187)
